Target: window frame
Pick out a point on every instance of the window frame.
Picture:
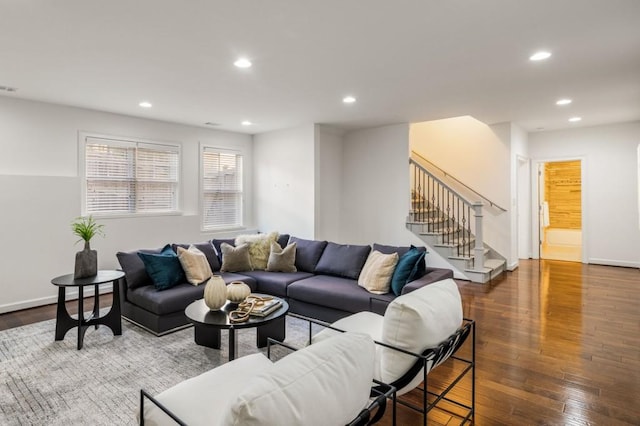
(241, 181)
(83, 138)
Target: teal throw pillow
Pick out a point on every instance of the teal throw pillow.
(406, 269)
(164, 268)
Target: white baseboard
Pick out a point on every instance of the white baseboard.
(513, 266)
(71, 294)
(610, 262)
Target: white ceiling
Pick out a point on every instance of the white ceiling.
(405, 61)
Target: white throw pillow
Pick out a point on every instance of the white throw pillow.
(377, 272)
(417, 321)
(259, 248)
(195, 264)
(327, 383)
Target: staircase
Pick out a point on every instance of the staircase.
(450, 224)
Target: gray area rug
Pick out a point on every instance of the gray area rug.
(43, 382)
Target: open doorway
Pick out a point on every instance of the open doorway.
(560, 208)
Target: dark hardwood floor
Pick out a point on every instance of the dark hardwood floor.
(558, 343)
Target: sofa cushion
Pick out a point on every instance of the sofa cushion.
(133, 267)
(342, 260)
(377, 271)
(327, 383)
(195, 265)
(259, 248)
(235, 259)
(282, 259)
(283, 240)
(218, 242)
(406, 270)
(339, 293)
(401, 250)
(164, 268)
(275, 283)
(308, 253)
(174, 299)
(192, 400)
(209, 251)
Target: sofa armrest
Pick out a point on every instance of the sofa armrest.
(432, 275)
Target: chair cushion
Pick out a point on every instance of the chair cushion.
(209, 251)
(377, 271)
(259, 248)
(283, 240)
(308, 253)
(327, 383)
(195, 265)
(195, 400)
(174, 299)
(275, 283)
(342, 260)
(282, 259)
(433, 312)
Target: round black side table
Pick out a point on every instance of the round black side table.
(64, 321)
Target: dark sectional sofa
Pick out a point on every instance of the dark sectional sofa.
(324, 287)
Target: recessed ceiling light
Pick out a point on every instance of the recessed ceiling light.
(242, 63)
(575, 119)
(246, 123)
(539, 56)
(348, 99)
(564, 102)
(145, 104)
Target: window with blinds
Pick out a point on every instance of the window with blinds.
(221, 188)
(128, 177)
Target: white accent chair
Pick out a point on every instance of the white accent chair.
(419, 331)
(325, 384)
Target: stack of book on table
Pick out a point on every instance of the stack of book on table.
(266, 308)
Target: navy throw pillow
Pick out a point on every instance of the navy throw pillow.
(406, 269)
(164, 268)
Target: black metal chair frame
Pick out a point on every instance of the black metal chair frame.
(368, 416)
(447, 349)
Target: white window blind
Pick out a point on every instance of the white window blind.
(130, 177)
(221, 189)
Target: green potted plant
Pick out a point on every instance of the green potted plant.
(86, 228)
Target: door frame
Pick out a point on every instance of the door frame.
(536, 238)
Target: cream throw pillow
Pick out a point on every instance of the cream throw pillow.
(195, 264)
(282, 260)
(377, 271)
(259, 248)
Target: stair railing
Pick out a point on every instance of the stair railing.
(446, 213)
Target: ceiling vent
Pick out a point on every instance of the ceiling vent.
(211, 123)
(8, 89)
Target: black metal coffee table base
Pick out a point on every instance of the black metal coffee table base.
(208, 325)
(65, 322)
(210, 337)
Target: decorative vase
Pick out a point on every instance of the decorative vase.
(86, 262)
(215, 293)
(237, 291)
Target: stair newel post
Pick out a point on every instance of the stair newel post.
(478, 251)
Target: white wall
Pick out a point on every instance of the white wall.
(520, 194)
(329, 181)
(480, 156)
(609, 186)
(40, 191)
(375, 189)
(284, 181)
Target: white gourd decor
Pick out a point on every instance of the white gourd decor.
(237, 291)
(215, 293)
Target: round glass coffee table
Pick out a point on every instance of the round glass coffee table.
(207, 324)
